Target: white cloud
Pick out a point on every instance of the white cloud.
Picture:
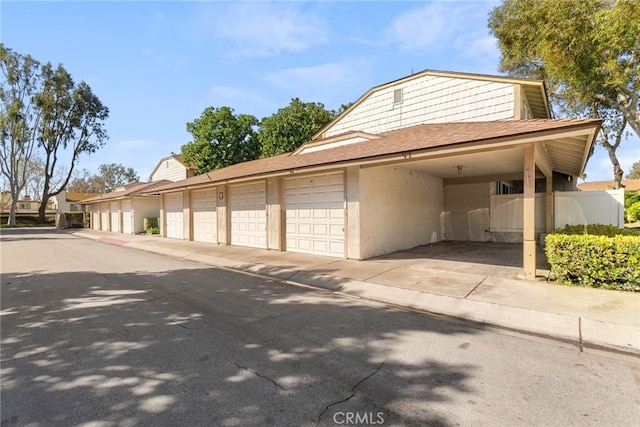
(440, 26)
(243, 101)
(332, 83)
(421, 29)
(326, 75)
(260, 29)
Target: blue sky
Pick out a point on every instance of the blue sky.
(158, 65)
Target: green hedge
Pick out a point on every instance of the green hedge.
(598, 230)
(595, 261)
(632, 206)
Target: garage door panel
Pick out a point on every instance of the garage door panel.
(126, 217)
(205, 220)
(174, 215)
(315, 214)
(248, 214)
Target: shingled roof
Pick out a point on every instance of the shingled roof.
(407, 141)
(129, 190)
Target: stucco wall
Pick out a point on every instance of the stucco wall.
(274, 214)
(399, 209)
(429, 99)
(466, 213)
(144, 208)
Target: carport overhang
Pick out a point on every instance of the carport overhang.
(506, 159)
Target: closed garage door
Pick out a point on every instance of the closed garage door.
(115, 216)
(127, 217)
(104, 216)
(248, 215)
(205, 223)
(315, 214)
(175, 217)
(95, 216)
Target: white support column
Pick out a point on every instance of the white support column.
(529, 220)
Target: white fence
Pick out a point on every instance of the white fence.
(507, 213)
(570, 208)
(589, 207)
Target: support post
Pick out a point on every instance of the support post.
(549, 220)
(529, 212)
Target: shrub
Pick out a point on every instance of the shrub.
(74, 219)
(631, 197)
(597, 230)
(150, 225)
(633, 212)
(595, 261)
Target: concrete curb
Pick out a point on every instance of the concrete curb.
(581, 331)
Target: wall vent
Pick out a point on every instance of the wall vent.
(397, 96)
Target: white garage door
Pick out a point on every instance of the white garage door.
(115, 216)
(127, 217)
(175, 216)
(205, 223)
(95, 216)
(104, 216)
(315, 214)
(248, 214)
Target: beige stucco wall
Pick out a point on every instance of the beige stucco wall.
(144, 208)
(222, 215)
(399, 209)
(466, 214)
(274, 214)
(353, 212)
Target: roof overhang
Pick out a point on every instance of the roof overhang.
(563, 146)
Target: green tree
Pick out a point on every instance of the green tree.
(588, 53)
(220, 139)
(18, 118)
(292, 126)
(108, 178)
(634, 172)
(71, 125)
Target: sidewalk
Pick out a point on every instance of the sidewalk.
(482, 293)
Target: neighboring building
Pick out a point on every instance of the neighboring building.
(628, 184)
(433, 156)
(66, 201)
(24, 206)
(171, 168)
(124, 210)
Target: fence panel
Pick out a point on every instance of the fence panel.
(589, 207)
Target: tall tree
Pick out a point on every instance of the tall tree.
(292, 126)
(108, 178)
(18, 119)
(72, 124)
(221, 138)
(588, 51)
(634, 172)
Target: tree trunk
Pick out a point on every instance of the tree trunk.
(42, 212)
(12, 213)
(617, 170)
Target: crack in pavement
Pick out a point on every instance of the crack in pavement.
(256, 374)
(181, 325)
(353, 392)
